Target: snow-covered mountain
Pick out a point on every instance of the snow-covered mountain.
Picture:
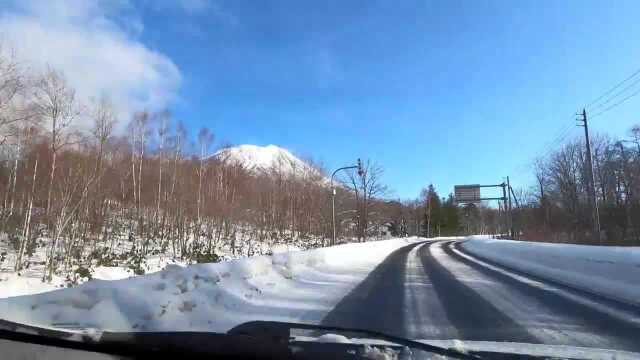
(264, 158)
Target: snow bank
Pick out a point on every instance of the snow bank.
(610, 271)
(280, 248)
(293, 286)
(13, 284)
(29, 281)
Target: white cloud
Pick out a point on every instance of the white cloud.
(96, 45)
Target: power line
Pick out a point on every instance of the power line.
(552, 147)
(618, 103)
(613, 88)
(567, 129)
(549, 147)
(560, 136)
(616, 95)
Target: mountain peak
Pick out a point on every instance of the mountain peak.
(263, 158)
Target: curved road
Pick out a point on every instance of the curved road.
(434, 290)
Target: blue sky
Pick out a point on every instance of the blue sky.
(440, 92)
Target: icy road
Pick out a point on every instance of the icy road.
(440, 289)
(434, 290)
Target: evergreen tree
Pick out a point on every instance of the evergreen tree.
(432, 217)
(450, 225)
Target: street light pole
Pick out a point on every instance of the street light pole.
(632, 142)
(333, 199)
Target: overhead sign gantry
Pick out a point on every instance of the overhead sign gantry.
(470, 194)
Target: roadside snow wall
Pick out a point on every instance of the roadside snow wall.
(299, 286)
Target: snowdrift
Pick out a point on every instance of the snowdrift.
(292, 286)
(613, 272)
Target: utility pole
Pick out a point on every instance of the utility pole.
(591, 179)
(511, 232)
(515, 228)
(428, 214)
(498, 230)
(504, 208)
(333, 198)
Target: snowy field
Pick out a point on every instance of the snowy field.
(290, 286)
(28, 281)
(610, 271)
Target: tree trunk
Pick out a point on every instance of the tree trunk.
(27, 221)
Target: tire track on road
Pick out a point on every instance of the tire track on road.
(378, 302)
(473, 317)
(425, 317)
(594, 296)
(619, 335)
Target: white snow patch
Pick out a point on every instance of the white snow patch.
(333, 338)
(264, 158)
(280, 248)
(611, 271)
(291, 286)
(374, 353)
(18, 284)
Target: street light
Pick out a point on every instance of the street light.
(632, 142)
(333, 197)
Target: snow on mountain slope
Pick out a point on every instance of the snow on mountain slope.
(263, 158)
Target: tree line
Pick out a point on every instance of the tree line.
(83, 186)
(557, 207)
(84, 193)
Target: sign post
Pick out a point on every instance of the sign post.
(470, 194)
(467, 193)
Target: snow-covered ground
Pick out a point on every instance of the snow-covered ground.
(289, 286)
(610, 271)
(28, 280)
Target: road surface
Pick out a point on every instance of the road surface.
(434, 290)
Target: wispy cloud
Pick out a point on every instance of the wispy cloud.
(95, 44)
